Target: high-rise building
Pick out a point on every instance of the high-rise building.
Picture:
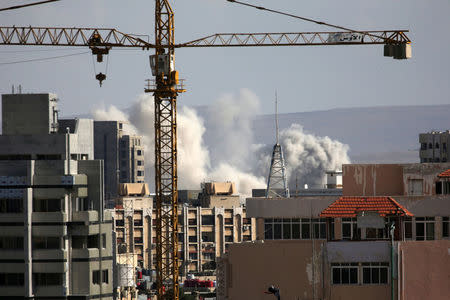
(123, 157)
(55, 239)
(434, 146)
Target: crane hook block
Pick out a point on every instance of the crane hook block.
(100, 77)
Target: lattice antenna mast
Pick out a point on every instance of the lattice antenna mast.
(276, 115)
(277, 183)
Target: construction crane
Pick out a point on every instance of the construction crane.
(166, 86)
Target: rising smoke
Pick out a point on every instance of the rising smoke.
(220, 146)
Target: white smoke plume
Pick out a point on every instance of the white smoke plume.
(229, 153)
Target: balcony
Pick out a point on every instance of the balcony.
(49, 291)
(49, 217)
(84, 253)
(85, 216)
(49, 254)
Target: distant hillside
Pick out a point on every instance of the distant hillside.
(374, 134)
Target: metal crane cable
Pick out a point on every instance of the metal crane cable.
(26, 5)
(303, 18)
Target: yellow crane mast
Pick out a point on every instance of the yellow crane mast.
(166, 86)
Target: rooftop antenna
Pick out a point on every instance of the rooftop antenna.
(276, 115)
(276, 183)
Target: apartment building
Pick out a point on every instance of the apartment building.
(123, 157)
(434, 146)
(204, 232)
(336, 247)
(54, 236)
(133, 223)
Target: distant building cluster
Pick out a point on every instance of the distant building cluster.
(78, 221)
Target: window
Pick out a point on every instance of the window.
(79, 241)
(375, 273)
(105, 278)
(436, 159)
(104, 240)
(208, 256)
(408, 228)
(207, 236)
(424, 228)
(96, 277)
(83, 204)
(437, 145)
(444, 146)
(229, 238)
(139, 152)
(430, 146)
(376, 233)
(93, 241)
(11, 206)
(319, 228)
(192, 239)
(442, 187)
(344, 273)
(350, 230)
(47, 205)
(423, 146)
(193, 256)
(140, 173)
(286, 229)
(11, 242)
(228, 221)
(424, 160)
(11, 279)
(208, 220)
(445, 227)
(140, 162)
(415, 187)
(41, 242)
(48, 278)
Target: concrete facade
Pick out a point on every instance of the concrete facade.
(55, 240)
(123, 156)
(392, 179)
(434, 146)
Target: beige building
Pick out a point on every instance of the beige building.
(55, 239)
(340, 247)
(204, 233)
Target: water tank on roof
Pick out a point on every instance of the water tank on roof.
(125, 275)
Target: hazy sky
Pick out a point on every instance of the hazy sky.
(307, 78)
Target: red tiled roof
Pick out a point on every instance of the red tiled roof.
(347, 207)
(445, 174)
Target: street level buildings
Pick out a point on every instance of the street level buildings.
(55, 239)
(386, 237)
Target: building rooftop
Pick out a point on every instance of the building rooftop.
(348, 207)
(445, 174)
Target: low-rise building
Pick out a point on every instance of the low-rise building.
(340, 247)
